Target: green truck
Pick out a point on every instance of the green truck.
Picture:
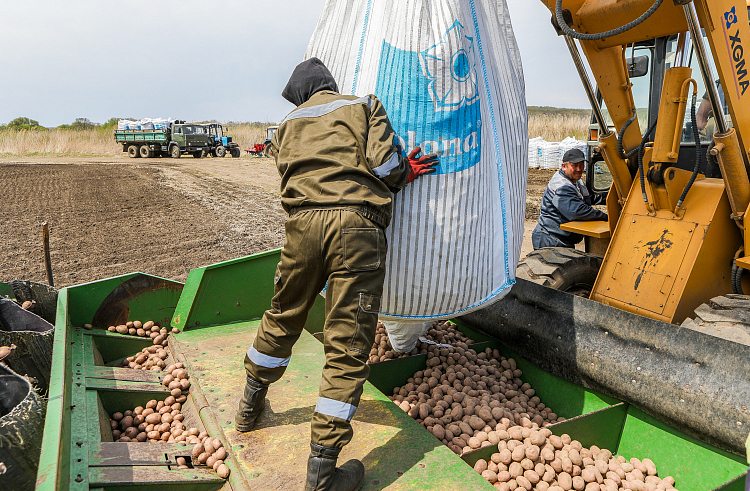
(177, 139)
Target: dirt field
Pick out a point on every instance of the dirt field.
(115, 215)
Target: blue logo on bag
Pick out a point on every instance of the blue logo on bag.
(432, 98)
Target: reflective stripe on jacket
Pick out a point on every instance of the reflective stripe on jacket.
(566, 201)
(337, 151)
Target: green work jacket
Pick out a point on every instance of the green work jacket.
(337, 151)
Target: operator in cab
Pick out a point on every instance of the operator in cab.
(339, 170)
(566, 199)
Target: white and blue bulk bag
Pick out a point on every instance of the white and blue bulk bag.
(449, 75)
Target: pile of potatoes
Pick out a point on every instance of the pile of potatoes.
(440, 332)
(150, 358)
(536, 459)
(177, 381)
(470, 400)
(144, 329)
(161, 421)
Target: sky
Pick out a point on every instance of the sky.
(217, 60)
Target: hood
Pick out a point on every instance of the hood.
(308, 77)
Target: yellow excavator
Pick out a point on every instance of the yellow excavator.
(665, 324)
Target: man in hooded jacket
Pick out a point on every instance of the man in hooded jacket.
(339, 169)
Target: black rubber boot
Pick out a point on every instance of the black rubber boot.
(251, 405)
(323, 475)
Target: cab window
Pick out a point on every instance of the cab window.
(705, 118)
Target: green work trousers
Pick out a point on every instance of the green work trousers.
(343, 252)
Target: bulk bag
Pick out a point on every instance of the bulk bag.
(449, 75)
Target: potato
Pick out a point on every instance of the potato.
(208, 446)
(148, 325)
(524, 483)
(223, 471)
(151, 404)
(122, 329)
(182, 399)
(111, 329)
(220, 453)
(202, 457)
(176, 392)
(158, 339)
(153, 418)
(117, 416)
(650, 467)
(489, 475)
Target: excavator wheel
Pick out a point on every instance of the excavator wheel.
(726, 317)
(561, 268)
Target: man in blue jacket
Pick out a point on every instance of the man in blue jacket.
(566, 199)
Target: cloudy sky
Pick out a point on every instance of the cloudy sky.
(198, 60)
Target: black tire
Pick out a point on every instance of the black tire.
(221, 151)
(145, 152)
(133, 151)
(235, 152)
(175, 152)
(726, 317)
(267, 151)
(561, 268)
(197, 155)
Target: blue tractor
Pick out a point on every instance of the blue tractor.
(221, 145)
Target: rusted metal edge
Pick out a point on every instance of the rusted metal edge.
(236, 477)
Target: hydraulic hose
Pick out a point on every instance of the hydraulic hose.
(641, 150)
(614, 32)
(621, 135)
(697, 167)
(737, 273)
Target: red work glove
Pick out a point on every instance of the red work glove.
(422, 165)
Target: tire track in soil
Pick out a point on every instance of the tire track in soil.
(111, 219)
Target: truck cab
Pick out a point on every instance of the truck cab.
(189, 138)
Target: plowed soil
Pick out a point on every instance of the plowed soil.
(114, 215)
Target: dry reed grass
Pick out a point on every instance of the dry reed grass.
(246, 134)
(100, 141)
(58, 142)
(555, 128)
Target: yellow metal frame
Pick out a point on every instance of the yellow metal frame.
(598, 229)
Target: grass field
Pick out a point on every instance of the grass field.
(552, 124)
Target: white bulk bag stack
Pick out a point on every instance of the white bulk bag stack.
(551, 156)
(535, 152)
(449, 74)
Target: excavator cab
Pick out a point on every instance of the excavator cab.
(662, 279)
(646, 73)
